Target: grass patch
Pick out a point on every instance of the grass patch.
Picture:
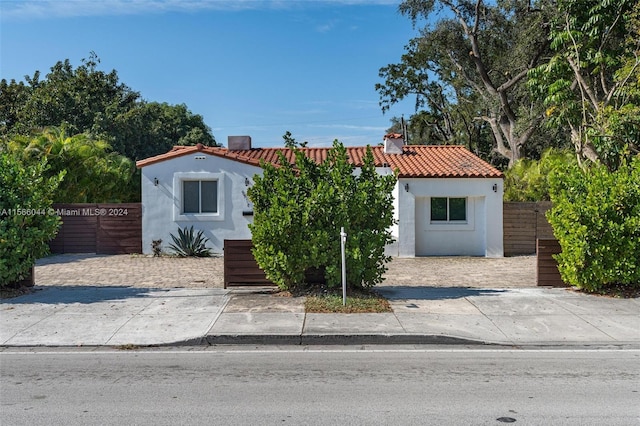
(357, 303)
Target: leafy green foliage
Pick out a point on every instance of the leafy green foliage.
(152, 128)
(596, 219)
(86, 100)
(528, 180)
(189, 244)
(93, 173)
(26, 224)
(299, 210)
(467, 71)
(591, 84)
(290, 142)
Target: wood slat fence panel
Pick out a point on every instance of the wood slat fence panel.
(523, 224)
(240, 267)
(98, 228)
(120, 229)
(546, 266)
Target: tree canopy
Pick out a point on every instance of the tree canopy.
(591, 83)
(86, 100)
(468, 70)
(93, 173)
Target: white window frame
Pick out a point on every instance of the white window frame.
(178, 197)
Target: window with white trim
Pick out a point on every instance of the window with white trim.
(199, 196)
(448, 209)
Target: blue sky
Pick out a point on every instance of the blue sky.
(255, 68)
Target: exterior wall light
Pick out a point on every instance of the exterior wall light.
(155, 181)
(246, 181)
(406, 187)
(495, 187)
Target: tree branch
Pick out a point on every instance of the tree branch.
(584, 87)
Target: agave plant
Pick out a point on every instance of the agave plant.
(188, 244)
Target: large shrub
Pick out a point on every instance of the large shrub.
(26, 224)
(596, 219)
(299, 210)
(93, 172)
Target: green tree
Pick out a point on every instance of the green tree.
(13, 97)
(25, 223)
(93, 173)
(468, 70)
(528, 180)
(83, 99)
(153, 128)
(592, 82)
(90, 101)
(299, 210)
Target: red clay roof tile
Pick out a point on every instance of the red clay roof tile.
(416, 161)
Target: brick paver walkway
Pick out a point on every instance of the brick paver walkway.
(167, 272)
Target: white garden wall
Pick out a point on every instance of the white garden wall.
(414, 233)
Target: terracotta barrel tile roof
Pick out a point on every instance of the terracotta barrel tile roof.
(416, 161)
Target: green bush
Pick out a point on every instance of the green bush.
(299, 210)
(596, 219)
(26, 224)
(528, 180)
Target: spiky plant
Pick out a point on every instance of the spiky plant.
(188, 244)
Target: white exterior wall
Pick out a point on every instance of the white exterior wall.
(414, 235)
(480, 235)
(161, 204)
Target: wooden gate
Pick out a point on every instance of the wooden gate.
(546, 266)
(240, 267)
(98, 228)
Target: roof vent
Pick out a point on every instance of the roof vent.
(393, 143)
(238, 143)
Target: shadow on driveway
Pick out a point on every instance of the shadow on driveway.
(434, 293)
(55, 295)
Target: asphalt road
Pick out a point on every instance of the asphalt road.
(320, 386)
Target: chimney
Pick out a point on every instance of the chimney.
(393, 143)
(238, 143)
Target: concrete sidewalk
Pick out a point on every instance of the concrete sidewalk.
(121, 316)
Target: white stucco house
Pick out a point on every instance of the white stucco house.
(447, 201)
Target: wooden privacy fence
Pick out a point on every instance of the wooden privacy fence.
(523, 224)
(98, 228)
(546, 266)
(240, 267)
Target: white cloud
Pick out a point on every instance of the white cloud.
(29, 9)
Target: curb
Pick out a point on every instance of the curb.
(341, 339)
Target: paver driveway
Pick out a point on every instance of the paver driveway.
(166, 272)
